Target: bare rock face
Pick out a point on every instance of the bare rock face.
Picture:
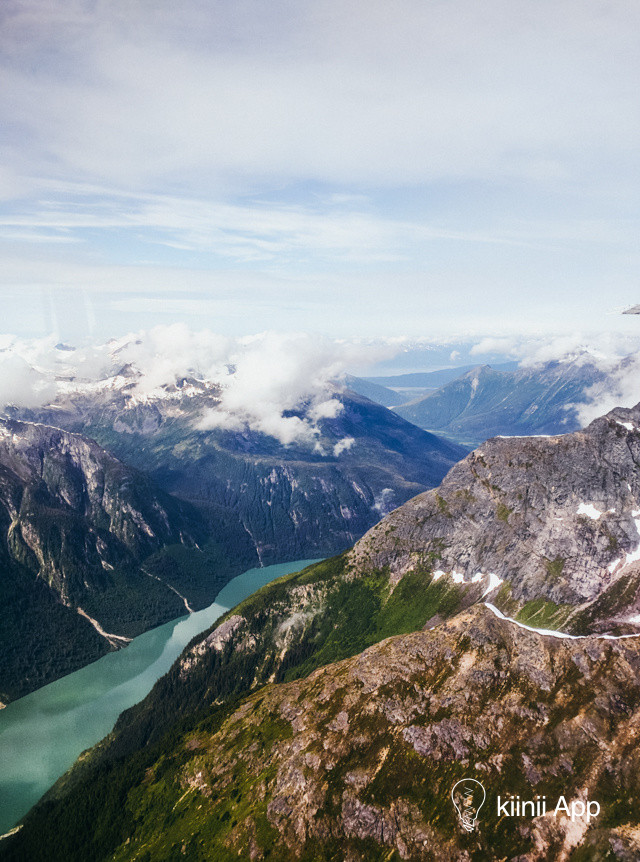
(556, 518)
(53, 482)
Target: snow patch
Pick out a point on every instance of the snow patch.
(634, 556)
(524, 436)
(494, 581)
(556, 634)
(458, 578)
(589, 510)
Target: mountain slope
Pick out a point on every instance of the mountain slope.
(303, 499)
(485, 402)
(374, 391)
(331, 713)
(76, 528)
(430, 380)
(555, 518)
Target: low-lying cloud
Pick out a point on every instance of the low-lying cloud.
(621, 388)
(282, 385)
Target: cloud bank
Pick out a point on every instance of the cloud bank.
(620, 389)
(282, 385)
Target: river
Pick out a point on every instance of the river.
(42, 733)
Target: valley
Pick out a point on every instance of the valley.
(470, 405)
(107, 539)
(42, 733)
(488, 627)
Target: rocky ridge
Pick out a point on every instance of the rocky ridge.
(551, 525)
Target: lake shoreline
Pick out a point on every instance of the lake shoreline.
(43, 732)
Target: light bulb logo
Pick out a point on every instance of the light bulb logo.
(468, 797)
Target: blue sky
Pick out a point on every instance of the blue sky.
(414, 168)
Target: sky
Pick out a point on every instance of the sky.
(412, 169)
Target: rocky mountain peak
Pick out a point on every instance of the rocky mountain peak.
(556, 519)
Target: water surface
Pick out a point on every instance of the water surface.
(44, 732)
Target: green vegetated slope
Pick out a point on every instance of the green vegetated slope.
(283, 632)
(357, 759)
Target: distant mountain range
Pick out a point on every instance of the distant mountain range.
(430, 380)
(487, 629)
(486, 401)
(293, 501)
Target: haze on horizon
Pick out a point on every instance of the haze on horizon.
(414, 169)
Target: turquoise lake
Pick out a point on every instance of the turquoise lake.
(43, 733)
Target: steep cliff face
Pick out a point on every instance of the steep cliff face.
(556, 519)
(74, 511)
(303, 499)
(77, 528)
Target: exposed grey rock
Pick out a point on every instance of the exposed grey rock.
(554, 517)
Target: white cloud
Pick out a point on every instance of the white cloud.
(22, 384)
(279, 384)
(343, 446)
(620, 389)
(604, 349)
(276, 374)
(302, 90)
